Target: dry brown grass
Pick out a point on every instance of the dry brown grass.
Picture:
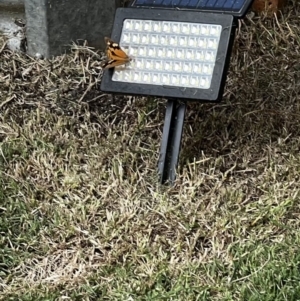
(83, 216)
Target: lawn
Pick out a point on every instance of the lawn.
(82, 216)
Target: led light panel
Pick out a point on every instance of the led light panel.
(168, 53)
(235, 7)
(175, 54)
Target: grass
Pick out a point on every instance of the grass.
(82, 216)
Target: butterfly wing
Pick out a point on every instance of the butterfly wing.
(112, 63)
(114, 51)
(116, 56)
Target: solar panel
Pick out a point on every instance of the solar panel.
(238, 8)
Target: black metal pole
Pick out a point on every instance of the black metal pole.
(171, 141)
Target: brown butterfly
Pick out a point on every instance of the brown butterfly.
(115, 55)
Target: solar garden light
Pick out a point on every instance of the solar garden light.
(180, 50)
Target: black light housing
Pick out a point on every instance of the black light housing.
(220, 64)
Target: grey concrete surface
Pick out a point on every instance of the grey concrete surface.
(9, 12)
(52, 25)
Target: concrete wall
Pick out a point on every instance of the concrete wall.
(52, 25)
